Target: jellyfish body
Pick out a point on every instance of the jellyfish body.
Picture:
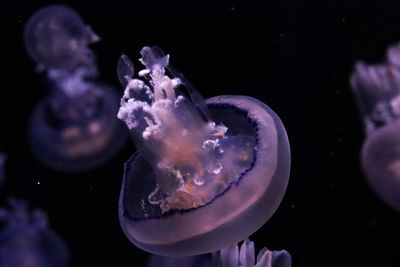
(74, 127)
(208, 173)
(57, 37)
(26, 241)
(377, 91)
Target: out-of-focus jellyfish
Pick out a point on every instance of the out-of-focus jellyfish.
(3, 159)
(26, 240)
(74, 128)
(231, 256)
(208, 173)
(377, 91)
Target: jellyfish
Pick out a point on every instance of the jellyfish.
(231, 256)
(74, 127)
(376, 89)
(26, 240)
(207, 174)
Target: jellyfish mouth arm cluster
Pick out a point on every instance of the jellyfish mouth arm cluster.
(207, 174)
(187, 152)
(377, 90)
(245, 256)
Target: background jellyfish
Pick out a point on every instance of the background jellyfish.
(377, 91)
(231, 256)
(74, 127)
(26, 240)
(208, 173)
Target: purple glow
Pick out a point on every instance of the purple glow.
(208, 173)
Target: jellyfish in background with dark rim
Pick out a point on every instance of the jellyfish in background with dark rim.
(231, 256)
(208, 173)
(73, 128)
(377, 91)
(26, 240)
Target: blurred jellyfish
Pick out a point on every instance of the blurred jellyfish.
(377, 91)
(231, 256)
(74, 128)
(208, 173)
(3, 159)
(26, 240)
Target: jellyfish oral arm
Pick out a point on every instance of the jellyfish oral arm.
(186, 151)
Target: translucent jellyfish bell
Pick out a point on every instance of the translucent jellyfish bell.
(26, 241)
(377, 91)
(208, 173)
(74, 128)
(56, 37)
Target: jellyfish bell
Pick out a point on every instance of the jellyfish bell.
(208, 172)
(377, 91)
(56, 37)
(76, 133)
(380, 159)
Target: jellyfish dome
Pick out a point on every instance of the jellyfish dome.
(26, 240)
(377, 91)
(74, 127)
(56, 37)
(207, 174)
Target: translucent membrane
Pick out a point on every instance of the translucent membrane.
(207, 174)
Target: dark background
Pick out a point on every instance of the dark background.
(296, 57)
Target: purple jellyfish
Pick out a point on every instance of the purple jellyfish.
(74, 128)
(377, 91)
(26, 240)
(208, 173)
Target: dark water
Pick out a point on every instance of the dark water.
(295, 57)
